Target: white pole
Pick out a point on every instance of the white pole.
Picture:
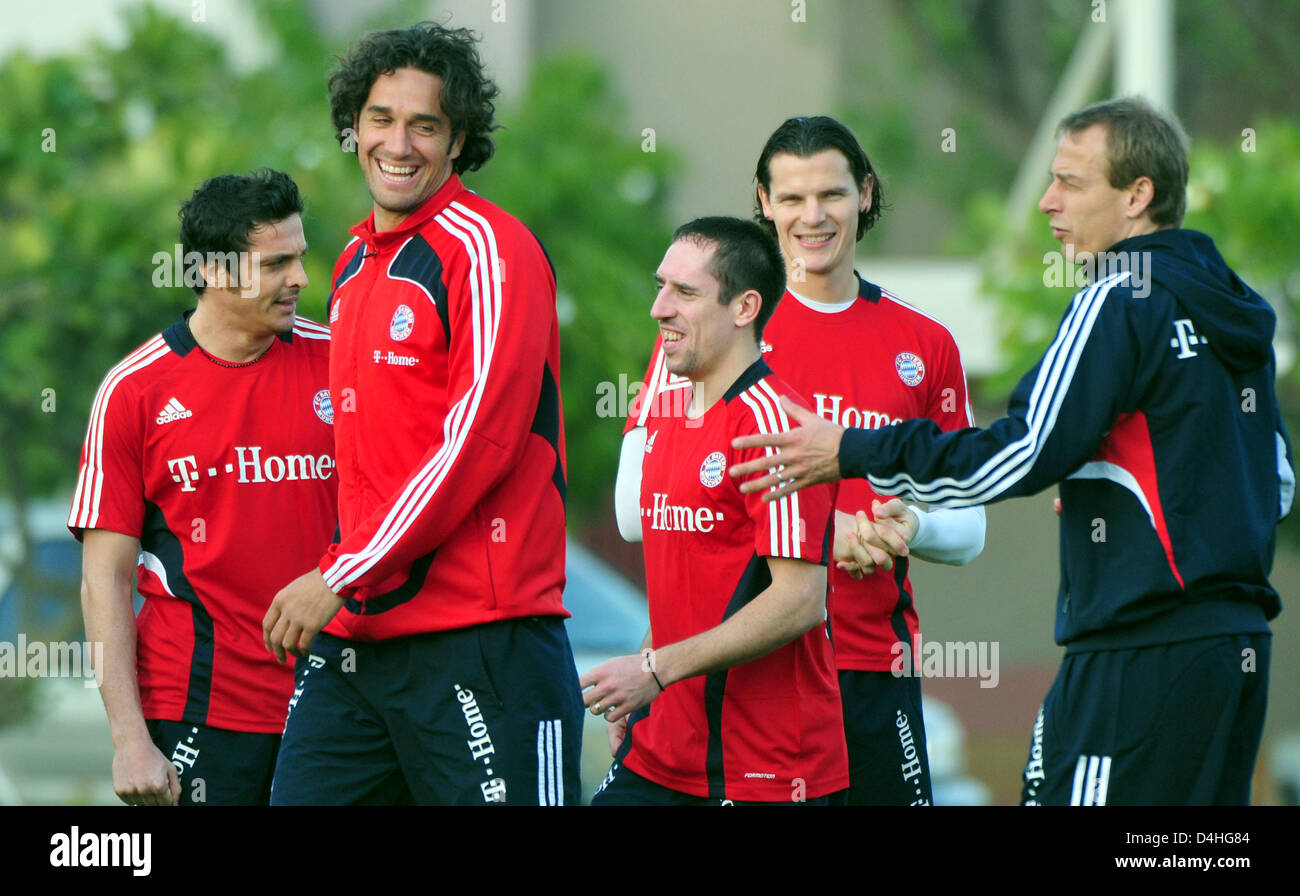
(1083, 74)
(1144, 57)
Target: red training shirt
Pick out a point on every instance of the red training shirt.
(225, 473)
(770, 729)
(875, 362)
(446, 368)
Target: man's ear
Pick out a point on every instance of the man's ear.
(1141, 193)
(748, 304)
(457, 144)
(764, 202)
(868, 191)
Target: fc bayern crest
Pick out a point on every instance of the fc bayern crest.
(402, 324)
(323, 406)
(712, 469)
(911, 369)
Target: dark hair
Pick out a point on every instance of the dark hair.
(805, 137)
(225, 209)
(745, 257)
(1140, 141)
(449, 53)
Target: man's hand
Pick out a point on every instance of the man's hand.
(805, 456)
(863, 545)
(859, 550)
(298, 613)
(142, 776)
(618, 687)
(617, 731)
(849, 553)
(894, 526)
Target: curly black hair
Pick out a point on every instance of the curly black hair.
(449, 53)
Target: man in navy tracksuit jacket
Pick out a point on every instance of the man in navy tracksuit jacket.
(1154, 408)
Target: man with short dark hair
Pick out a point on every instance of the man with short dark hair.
(1154, 408)
(208, 471)
(438, 669)
(737, 663)
(862, 356)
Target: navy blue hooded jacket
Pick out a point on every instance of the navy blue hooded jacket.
(1154, 407)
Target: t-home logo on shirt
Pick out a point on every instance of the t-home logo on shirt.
(251, 466)
(831, 408)
(665, 517)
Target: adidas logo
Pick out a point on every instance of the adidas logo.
(650, 444)
(173, 410)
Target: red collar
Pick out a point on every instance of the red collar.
(432, 206)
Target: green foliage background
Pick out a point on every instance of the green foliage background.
(136, 129)
(597, 203)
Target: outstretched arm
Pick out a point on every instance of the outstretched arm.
(1058, 415)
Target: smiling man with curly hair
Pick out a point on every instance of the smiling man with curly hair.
(437, 666)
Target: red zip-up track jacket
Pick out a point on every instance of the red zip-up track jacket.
(444, 372)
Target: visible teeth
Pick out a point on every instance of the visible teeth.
(673, 337)
(395, 169)
(815, 239)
